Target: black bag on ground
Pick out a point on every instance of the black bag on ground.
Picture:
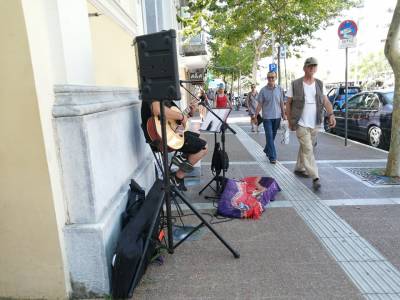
(136, 196)
(219, 160)
(141, 224)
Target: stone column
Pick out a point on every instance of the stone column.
(101, 147)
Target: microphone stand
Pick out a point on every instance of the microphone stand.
(224, 126)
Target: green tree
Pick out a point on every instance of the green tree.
(373, 64)
(392, 52)
(260, 24)
(228, 59)
(294, 21)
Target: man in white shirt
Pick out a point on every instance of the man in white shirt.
(305, 109)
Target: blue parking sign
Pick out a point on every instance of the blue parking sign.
(273, 67)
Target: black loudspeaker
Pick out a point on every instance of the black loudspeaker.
(157, 66)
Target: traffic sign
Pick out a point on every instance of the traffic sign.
(347, 30)
(273, 67)
(347, 43)
(282, 52)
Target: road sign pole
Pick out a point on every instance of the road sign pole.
(347, 32)
(284, 61)
(345, 100)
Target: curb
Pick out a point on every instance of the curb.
(355, 142)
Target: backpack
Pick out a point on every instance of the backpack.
(219, 160)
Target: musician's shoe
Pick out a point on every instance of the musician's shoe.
(182, 163)
(178, 182)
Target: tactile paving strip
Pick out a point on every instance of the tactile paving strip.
(375, 277)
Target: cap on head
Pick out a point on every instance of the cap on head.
(310, 62)
(221, 86)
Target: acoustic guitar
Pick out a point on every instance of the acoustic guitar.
(175, 130)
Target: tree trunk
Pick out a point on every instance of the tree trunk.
(254, 68)
(392, 52)
(279, 65)
(258, 44)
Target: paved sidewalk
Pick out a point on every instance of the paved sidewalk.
(339, 243)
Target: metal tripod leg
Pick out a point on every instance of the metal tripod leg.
(209, 185)
(203, 222)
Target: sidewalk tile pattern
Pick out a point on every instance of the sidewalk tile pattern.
(368, 269)
(374, 176)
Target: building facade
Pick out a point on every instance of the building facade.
(70, 139)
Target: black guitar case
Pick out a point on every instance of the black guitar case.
(138, 239)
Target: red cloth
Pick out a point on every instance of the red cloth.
(222, 101)
(248, 197)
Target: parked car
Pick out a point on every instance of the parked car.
(244, 97)
(337, 95)
(369, 117)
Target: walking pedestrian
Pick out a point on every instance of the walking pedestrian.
(204, 102)
(221, 100)
(251, 102)
(211, 96)
(270, 101)
(305, 109)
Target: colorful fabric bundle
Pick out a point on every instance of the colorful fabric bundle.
(248, 197)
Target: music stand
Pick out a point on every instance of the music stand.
(212, 123)
(224, 125)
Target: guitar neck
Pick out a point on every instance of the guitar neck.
(187, 109)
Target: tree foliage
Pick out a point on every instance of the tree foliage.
(372, 66)
(228, 59)
(260, 24)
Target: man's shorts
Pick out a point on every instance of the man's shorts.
(193, 143)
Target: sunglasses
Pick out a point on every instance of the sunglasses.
(270, 77)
